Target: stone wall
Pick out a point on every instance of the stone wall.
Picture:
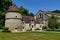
(13, 21)
(13, 15)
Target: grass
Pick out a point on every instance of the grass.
(30, 36)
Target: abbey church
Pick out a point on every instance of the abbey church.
(18, 23)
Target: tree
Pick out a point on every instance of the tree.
(56, 11)
(52, 22)
(24, 11)
(4, 5)
(57, 25)
(31, 14)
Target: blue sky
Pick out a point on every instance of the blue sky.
(35, 5)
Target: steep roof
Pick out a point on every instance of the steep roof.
(27, 19)
(38, 21)
(13, 8)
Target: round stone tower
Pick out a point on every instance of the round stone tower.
(13, 19)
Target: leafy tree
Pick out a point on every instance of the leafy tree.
(56, 11)
(57, 25)
(6, 29)
(52, 22)
(24, 11)
(4, 5)
(31, 14)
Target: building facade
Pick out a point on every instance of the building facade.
(18, 23)
(13, 19)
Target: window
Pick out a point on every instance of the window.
(40, 26)
(16, 28)
(23, 27)
(41, 15)
(23, 22)
(16, 16)
(32, 26)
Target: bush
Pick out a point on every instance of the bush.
(30, 29)
(48, 30)
(57, 30)
(37, 29)
(1, 27)
(5, 29)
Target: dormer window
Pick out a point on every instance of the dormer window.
(41, 15)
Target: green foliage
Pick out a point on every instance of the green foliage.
(44, 27)
(37, 29)
(5, 29)
(57, 25)
(31, 14)
(2, 19)
(4, 5)
(29, 30)
(56, 11)
(52, 23)
(25, 12)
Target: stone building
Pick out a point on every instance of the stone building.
(44, 16)
(13, 19)
(18, 23)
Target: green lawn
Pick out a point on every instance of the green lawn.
(30, 36)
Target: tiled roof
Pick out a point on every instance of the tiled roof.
(38, 21)
(27, 19)
(13, 8)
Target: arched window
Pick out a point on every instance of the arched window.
(23, 27)
(40, 15)
(32, 26)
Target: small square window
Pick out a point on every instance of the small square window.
(16, 16)
(23, 27)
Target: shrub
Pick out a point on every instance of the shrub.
(30, 29)
(44, 28)
(1, 27)
(5, 29)
(37, 29)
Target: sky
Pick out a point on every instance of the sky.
(35, 5)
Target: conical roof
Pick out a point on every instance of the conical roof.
(13, 8)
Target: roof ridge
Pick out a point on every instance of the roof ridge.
(13, 8)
